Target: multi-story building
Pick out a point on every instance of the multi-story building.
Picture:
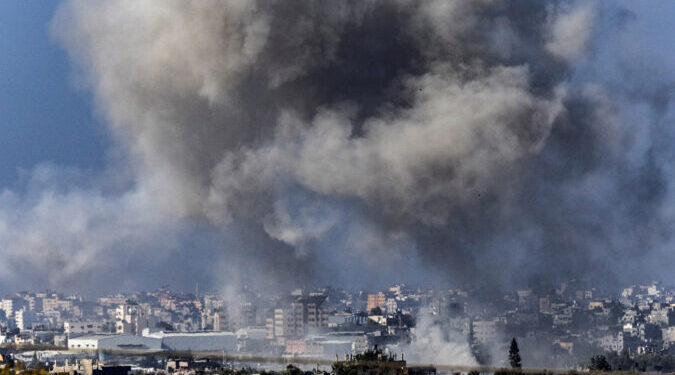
(527, 301)
(34, 303)
(54, 303)
(392, 304)
(545, 305)
(484, 331)
(220, 321)
(133, 319)
(612, 342)
(25, 319)
(562, 314)
(314, 315)
(669, 336)
(296, 317)
(11, 304)
(91, 327)
(247, 315)
(660, 315)
(376, 300)
(288, 321)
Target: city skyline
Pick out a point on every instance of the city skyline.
(559, 326)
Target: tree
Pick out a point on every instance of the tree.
(292, 370)
(371, 362)
(514, 355)
(164, 326)
(599, 363)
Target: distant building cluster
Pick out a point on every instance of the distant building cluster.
(563, 322)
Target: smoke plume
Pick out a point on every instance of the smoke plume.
(434, 343)
(317, 139)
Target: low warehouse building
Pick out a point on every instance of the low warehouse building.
(114, 342)
(196, 341)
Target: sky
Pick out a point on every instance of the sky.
(44, 117)
(124, 153)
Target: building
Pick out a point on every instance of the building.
(545, 305)
(484, 331)
(660, 314)
(288, 321)
(669, 336)
(34, 303)
(114, 342)
(112, 300)
(303, 347)
(88, 327)
(220, 321)
(612, 342)
(247, 315)
(339, 343)
(11, 304)
(195, 341)
(252, 339)
(54, 303)
(314, 315)
(527, 301)
(376, 300)
(391, 305)
(25, 319)
(562, 314)
(133, 319)
(296, 317)
(90, 367)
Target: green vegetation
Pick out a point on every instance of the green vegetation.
(651, 362)
(514, 355)
(372, 362)
(599, 363)
(245, 371)
(17, 367)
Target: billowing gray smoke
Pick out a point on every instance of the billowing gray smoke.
(455, 135)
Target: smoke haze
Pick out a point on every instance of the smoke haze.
(306, 142)
(434, 343)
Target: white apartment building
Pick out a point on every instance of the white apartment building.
(12, 304)
(612, 343)
(55, 303)
(669, 336)
(25, 319)
(133, 319)
(484, 331)
(89, 327)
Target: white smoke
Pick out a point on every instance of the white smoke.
(571, 29)
(435, 343)
(357, 132)
(163, 80)
(57, 232)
